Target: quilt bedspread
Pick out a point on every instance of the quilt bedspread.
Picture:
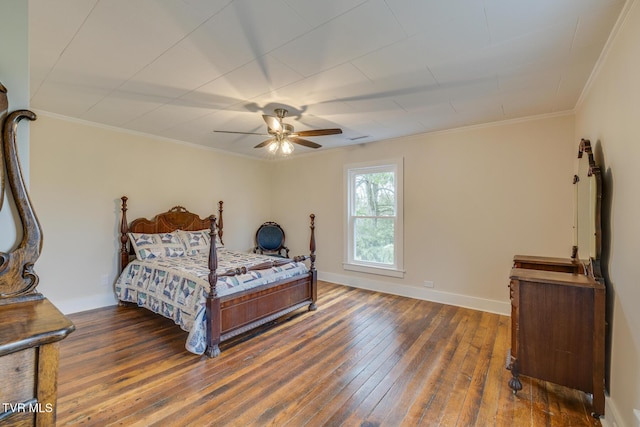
(176, 288)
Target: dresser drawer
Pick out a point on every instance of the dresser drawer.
(17, 371)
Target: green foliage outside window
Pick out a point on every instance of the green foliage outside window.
(374, 210)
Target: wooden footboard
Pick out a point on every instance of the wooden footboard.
(244, 312)
(238, 313)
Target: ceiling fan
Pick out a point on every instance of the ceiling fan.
(283, 136)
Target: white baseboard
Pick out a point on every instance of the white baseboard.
(76, 305)
(612, 416)
(482, 304)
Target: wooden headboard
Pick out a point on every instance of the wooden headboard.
(176, 218)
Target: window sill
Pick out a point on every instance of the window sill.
(380, 271)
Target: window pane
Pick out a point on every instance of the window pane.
(374, 194)
(374, 240)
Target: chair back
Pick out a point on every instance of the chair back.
(270, 239)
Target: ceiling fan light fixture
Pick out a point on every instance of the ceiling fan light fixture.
(287, 147)
(281, 147)
(273, 147)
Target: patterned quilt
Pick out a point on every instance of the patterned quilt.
(177, 287)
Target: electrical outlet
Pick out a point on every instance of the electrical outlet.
(428, 284)
(104, 280)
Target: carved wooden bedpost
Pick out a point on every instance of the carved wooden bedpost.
(213, 301)
(312, 267)
(220, 223)
(312, 242)
(124, 228)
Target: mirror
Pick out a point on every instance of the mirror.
(587, 218)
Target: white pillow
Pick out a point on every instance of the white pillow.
(154, 246)
(195, 241)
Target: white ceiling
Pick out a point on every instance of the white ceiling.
(378, 69)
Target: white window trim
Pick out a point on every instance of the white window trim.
(397, 270)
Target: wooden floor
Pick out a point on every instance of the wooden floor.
(362, 359)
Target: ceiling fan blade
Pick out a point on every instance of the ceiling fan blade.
(304, 142)
(265, 143)
(272, 122)
(240, 133)
(319, 132)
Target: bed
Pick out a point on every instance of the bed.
(169, 265)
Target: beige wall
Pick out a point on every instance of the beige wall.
(610, 117)
(79, 173)
(14, 75)
(473, 198)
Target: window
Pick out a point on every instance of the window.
(374, 218)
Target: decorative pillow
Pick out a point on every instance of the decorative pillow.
(154, 246)
(195, 241)
(198, 241)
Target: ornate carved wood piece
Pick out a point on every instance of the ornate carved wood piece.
(17, 277)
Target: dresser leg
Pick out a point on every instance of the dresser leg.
(514, 382)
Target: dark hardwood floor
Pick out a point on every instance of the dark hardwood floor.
(362, 359)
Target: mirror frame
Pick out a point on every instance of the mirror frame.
(594, 175)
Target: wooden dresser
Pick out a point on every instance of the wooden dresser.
(558, 330)
(558, 305)
(29, 335)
